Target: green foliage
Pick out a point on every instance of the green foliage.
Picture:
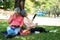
(33, 6)
(42, 5)
(29, 6)
(7, 4)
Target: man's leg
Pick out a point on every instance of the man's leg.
(40, 29)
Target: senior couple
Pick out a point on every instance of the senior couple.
(18, 19)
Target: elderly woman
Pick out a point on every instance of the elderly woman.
(15, 21)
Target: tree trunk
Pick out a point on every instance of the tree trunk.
(20, 3)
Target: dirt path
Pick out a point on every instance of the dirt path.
(46, 21)
(39, 20)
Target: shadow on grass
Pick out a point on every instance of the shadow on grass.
(40, 36)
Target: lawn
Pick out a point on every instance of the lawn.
(40, 36)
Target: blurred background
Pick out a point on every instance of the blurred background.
(48, 16)
(50, 8)
(48, 11)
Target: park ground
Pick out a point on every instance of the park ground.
(48, 23)
(40, 36)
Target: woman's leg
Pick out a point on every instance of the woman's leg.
(9, 30)
(16, 31)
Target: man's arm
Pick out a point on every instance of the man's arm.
(22, 22)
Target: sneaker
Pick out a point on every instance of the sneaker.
(53, 31)
(37, 32)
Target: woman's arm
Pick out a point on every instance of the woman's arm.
(10, 19)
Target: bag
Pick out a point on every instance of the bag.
(24, 32)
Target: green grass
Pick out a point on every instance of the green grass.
(40, 36)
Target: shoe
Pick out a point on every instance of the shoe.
(53, 31)
(9, 36)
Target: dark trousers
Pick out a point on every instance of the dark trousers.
(40, 29)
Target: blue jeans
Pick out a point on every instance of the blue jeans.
(12, 31)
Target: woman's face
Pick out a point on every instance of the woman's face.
(17, 14)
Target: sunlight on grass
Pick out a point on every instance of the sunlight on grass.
(40, 36)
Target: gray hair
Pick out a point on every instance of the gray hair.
(17, 10)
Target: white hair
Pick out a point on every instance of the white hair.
(17, 10)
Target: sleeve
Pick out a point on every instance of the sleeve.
(10, 19)
(22, 22)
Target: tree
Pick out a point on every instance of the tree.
(7, 4)
(20, 3)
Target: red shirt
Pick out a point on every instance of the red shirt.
(19, 20)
